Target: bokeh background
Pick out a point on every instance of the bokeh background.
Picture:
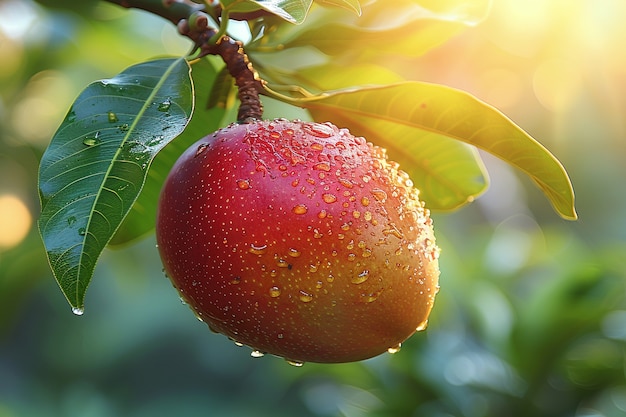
(531, 318)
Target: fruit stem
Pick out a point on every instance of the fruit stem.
(193, 23)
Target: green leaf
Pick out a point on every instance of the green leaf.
(97, 162)
(223, 90)
(142, 217)
(352, 5)
(293, 11)
(400, 114)
(410, 30)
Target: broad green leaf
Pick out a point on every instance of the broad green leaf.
(405, 29)
(97, 162)
(142, 217)
(402, 113)
(293, 11)
(352, 5)
(223, 90)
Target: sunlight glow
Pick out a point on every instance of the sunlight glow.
(15, 221)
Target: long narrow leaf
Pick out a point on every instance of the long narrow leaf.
(97, 162)
(401, 113)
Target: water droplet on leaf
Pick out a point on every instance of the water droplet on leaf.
(79, 311)
(165, 105)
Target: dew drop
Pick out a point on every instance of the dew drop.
(79, 311)
(319, 130)
(356, 214)
(297, 364)
(329, 198)
(112, 117)
(274, 292)
(257, 354)
(92, 140)
(243, 184)
(361, 278)
(322, 214)
(294, 253)
(379, 195)
(281, 263)
(322, 166)
(422, 326)
(305, 297)
(395, 349)
(351, 257)
(71, 220)
(371, 297)
(300, 209)
(313, 268)
(257, 250)
(165, 105)
(317, 146)
(346, 182)
(82, 231)
(239, 344)
(124, 127)
(365, 201)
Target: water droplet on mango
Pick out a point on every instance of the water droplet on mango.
(329, 198)
(243, 184)
(361, 278)
(274, 292)
(300, 209)
(257, 249)
(257, 354)
(305, 297)
(395, 349)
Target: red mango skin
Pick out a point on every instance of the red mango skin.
(298, 240)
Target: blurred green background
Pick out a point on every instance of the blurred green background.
(531, 318)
